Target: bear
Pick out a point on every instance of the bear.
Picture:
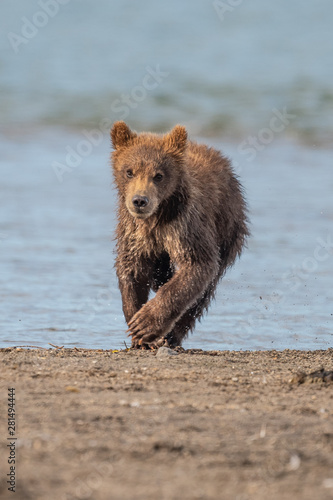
(182, 221)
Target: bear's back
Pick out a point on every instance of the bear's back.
(210, 170)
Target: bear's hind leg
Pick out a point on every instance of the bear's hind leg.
(187, 321)
(163, 271)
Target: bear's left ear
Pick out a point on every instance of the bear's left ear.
(176, 140)
(121, 135)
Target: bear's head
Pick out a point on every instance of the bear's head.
(148, 168)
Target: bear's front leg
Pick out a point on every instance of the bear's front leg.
(157, 317)
(134, 294)
(147, 326)
(134, 288)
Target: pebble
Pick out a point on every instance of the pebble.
(164, 352)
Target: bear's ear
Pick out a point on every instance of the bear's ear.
(176, 140)
(121, 135)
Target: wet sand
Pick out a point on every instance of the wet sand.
(146, 425)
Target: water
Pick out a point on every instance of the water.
(156, 64)
(58, 283)
(222, 74)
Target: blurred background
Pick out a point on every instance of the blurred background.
(224, 64)
(251, 78)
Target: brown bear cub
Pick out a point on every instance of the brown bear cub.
(181, 223)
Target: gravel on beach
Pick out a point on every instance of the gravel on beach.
(93, 424)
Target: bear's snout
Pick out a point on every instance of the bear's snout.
(141, 204)
(140, 201)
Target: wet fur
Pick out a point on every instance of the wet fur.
(194, 229)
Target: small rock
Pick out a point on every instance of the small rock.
(314, 377)
(71, 388)
(328, 483)
(294, 463)
(164, 352)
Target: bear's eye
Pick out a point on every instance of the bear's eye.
(129, 173)
(158, 177)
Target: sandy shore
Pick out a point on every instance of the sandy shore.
(193, 425)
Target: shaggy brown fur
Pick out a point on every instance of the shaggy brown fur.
(182, 222)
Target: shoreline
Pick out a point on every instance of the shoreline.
(146, 425)
(178, 350)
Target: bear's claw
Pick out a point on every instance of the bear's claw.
(144, 327)
(149, 345)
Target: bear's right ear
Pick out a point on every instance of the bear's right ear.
(121, 135)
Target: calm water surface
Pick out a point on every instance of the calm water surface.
(222, 74)
(58, 283)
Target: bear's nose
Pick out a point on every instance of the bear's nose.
(140, 201)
